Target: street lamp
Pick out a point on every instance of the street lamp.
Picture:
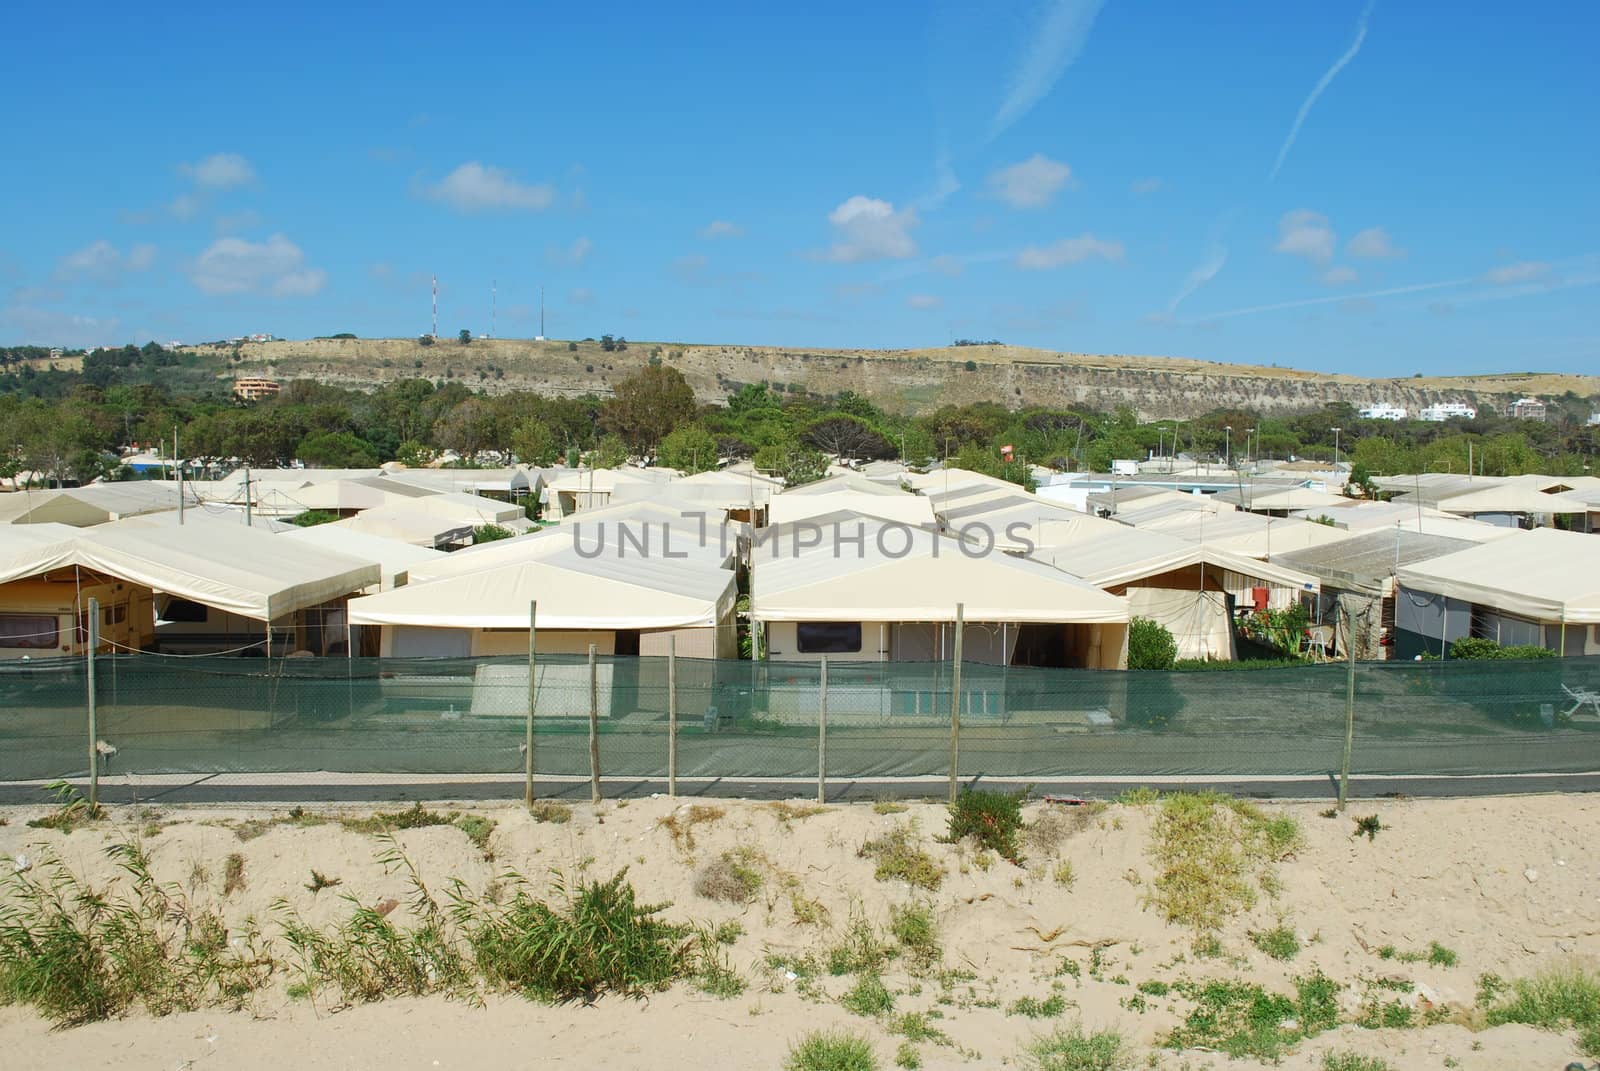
(1227, 458)
(1336, 447)
(1248, 456)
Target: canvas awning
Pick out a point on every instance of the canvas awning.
(1125, 557)
(394, 558)
(571, 593)
(1545, 575)
(239, 570)
(912, 575)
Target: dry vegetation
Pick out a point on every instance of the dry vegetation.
(1185, 931)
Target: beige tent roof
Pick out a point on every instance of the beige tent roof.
(97, 503)
(1360, 515)
(1545, 574)
(30, 549)
(888, 503)
(408, 526)
(1248, 534)
(934, 573)
(1117, 558)
(1477, 494)
(244, 571)
(1257, 497)
(395, 559)
(572, 593)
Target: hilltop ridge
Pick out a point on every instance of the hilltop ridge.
(914, 380)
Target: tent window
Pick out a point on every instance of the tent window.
(183, 610)
(829, 637)
(33, 631)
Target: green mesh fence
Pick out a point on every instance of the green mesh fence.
(743, 719)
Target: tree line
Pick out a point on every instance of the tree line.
(71, 426)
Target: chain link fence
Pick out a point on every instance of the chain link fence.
(391, 717)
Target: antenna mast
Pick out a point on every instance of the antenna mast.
(435, 306)
(494, 293)
(541, 313)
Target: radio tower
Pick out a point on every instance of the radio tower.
(541, 314)
(435, 307)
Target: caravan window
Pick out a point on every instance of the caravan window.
(183, 610)
(829, 637)
(34, 631)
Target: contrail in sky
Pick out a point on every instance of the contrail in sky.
(1056, 43)
(1304, 302)
(1317, 91)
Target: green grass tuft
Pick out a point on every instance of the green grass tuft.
(900, 857)
(869, 997)
(1070, 1049)
(992, 819)
(1051, 1007)
(1350, 1061)
(830, 1050)
(1279, 942)
(1214, 854)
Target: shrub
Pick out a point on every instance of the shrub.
(1212, 854)
(1150, 645)
(828, 1050)
(728, 878)
(600, 941)
(868, 998)
(1050, 1007)
(992, 819)
(914, 928)
(1073, 1050)
(1279, 942)
(491, 533)
(1476, 647)
(78, 954)
(901, 858)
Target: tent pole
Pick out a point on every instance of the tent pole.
(1349, 706)
(594, 726)
(527, 743)
(955, 700)
(822, 735)
(94, 714)
(672, 716)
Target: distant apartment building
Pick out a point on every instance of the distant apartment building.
(254, 388)
(1594, 420)
(1443, 411)
(1527, 409)
(1383, 411)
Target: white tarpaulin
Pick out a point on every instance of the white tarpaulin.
(572, 594)
(395, 559)
(1130, 555)
(903, 574)
(1546, 575)
(30, 549)
(240, 570)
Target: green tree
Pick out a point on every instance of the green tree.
(335, 450)
(609, 453)
(794, 463)
(534, 444)
(412, 454)
(689, 448)
(464, 336)
(646, 406)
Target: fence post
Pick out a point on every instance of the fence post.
(1349, 705)
(955, 700)
(594, 726)
(94, 713)
(672, 716)
(822, 736)
(527, 743)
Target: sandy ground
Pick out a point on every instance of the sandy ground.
(1509, 884)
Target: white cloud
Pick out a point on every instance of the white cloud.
(721, 228)
(1374, 242)
(866, 228)
(945, 264)
(1068, 251)
(221, 171)
(300, 283)
(103, 261)
(473, 187)
(1340, 276)
(1145, 185)
(1521, 272)
(1054, 45)
(1030, 184)
(573, 255)
(186, 206)
(924, 301)
(236, 222)
(236, 266)
(1304, 233)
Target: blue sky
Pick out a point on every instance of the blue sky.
(1381, 189)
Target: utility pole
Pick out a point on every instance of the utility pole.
(177, 468)
(955, 700)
